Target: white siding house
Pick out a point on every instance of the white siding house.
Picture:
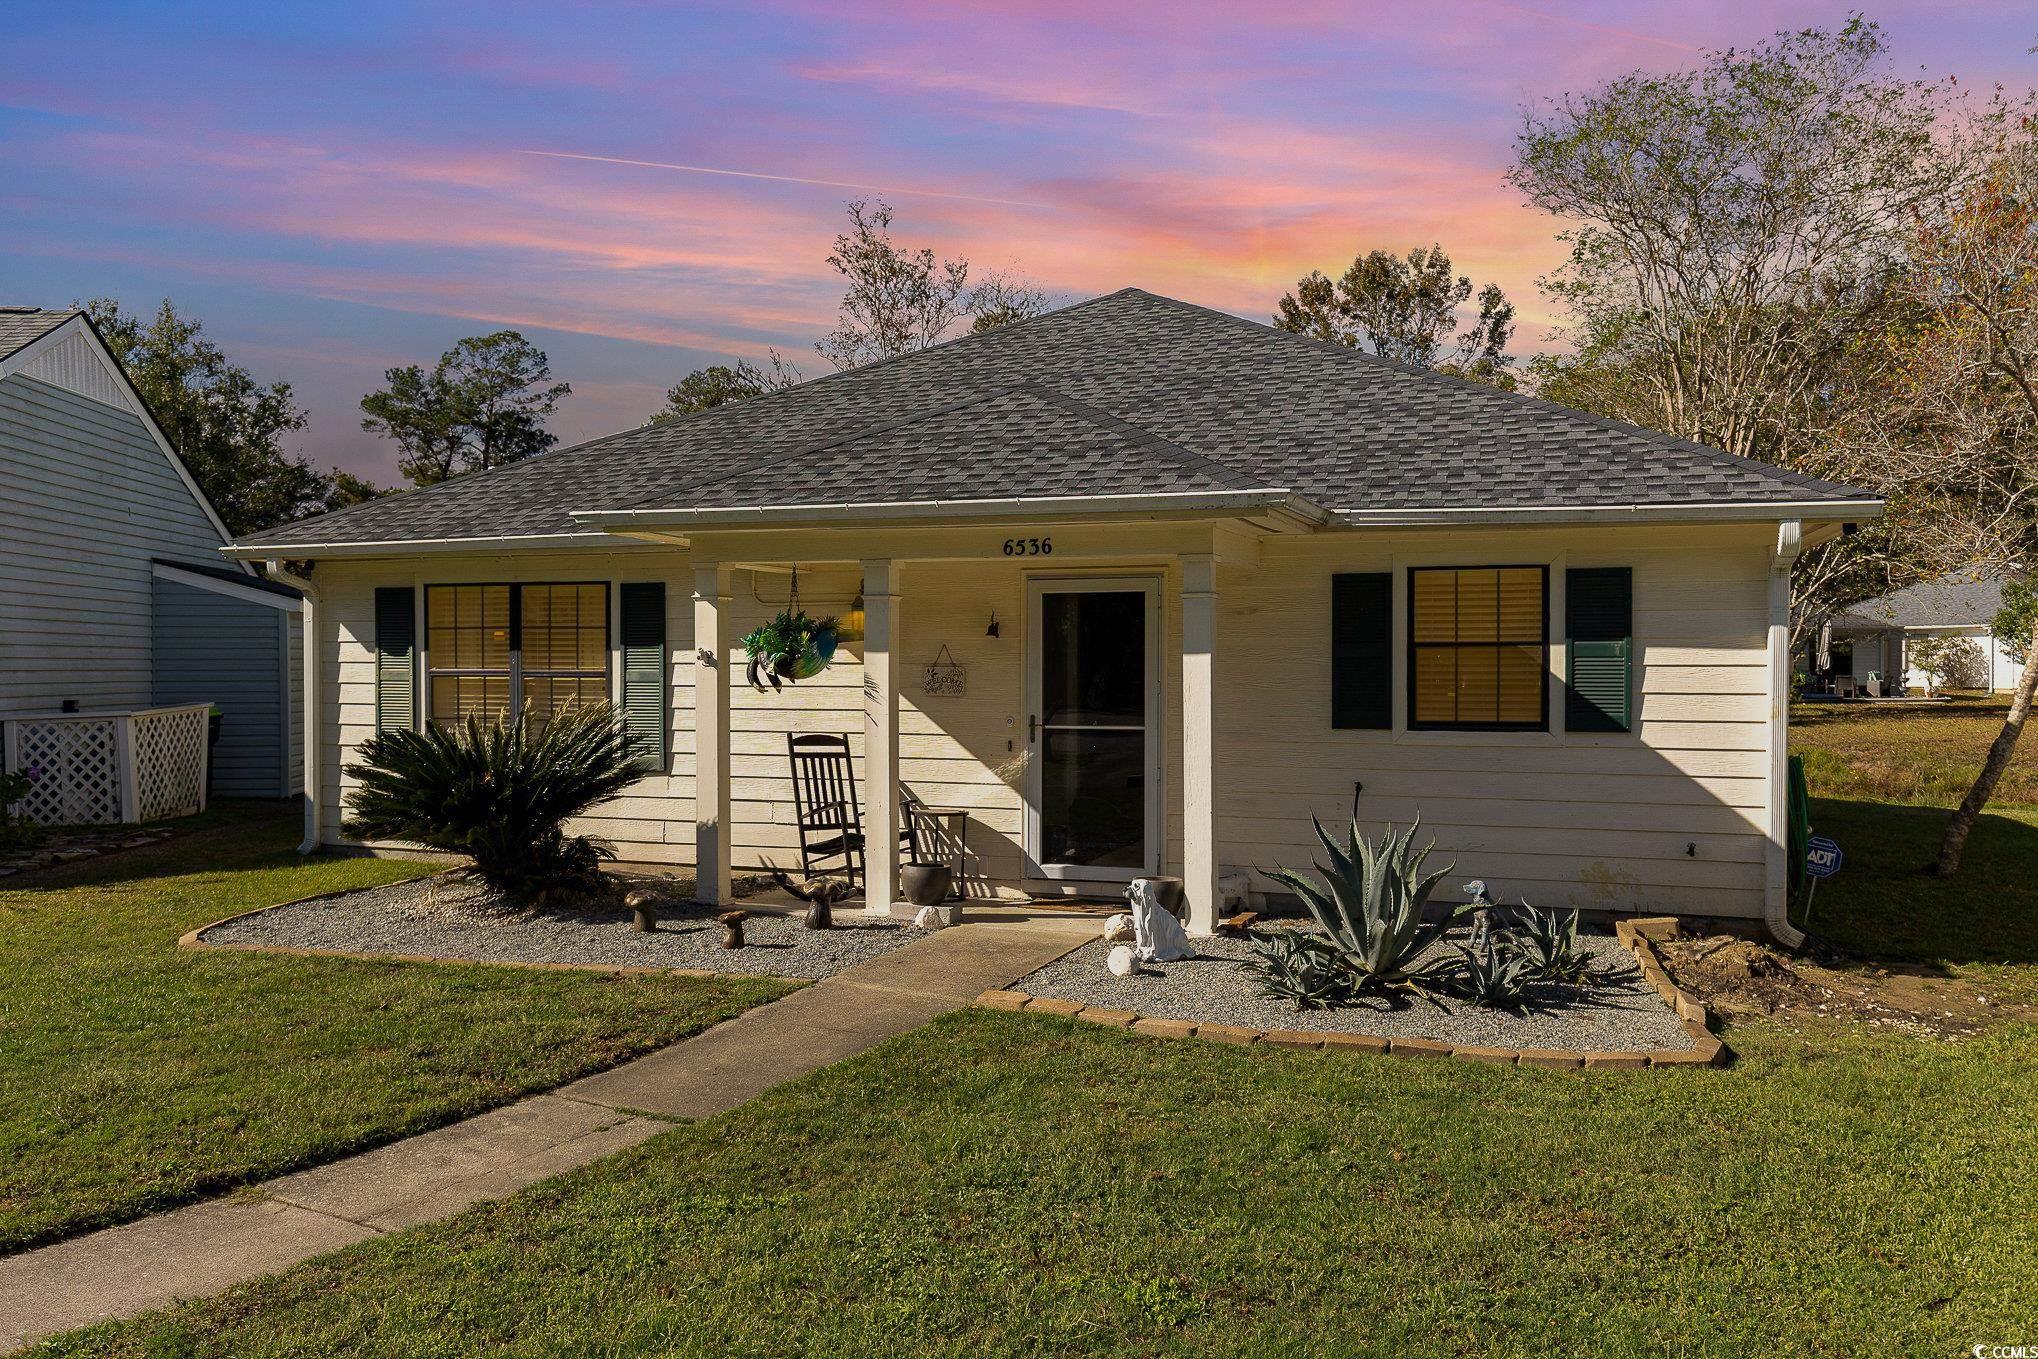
(113, 593)
(1190, 582)
(1876, 635)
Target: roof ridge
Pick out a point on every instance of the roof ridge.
(809, 384)
(1030, 387)
(864, 431)
(1188, 457)
(1487, 390)
(731, 467)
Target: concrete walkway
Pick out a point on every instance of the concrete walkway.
(203, 1249)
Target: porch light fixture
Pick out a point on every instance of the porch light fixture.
(992, 630)
(852, 622)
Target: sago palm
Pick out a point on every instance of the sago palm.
(498, 792)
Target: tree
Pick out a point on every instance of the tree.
(347, 489)
(1962, 399)
(226, 427)
(1944, 657)
(1406, 310)
(1733, 232)
(1001, 300)
(2014, 622)
(483, 405)
(901, 299)
(718, 385)
(1723, 220)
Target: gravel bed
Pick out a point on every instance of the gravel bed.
(1619, 1013)
(440, 918)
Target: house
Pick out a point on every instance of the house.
(1199, 580)
(1872, 638)
(113, 593)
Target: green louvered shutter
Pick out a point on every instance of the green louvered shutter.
(644, 703)
(1599, 668)
(1362, 651)
(396, 657)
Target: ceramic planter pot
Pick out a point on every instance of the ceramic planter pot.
(816, 657)
(925, 884)
(1173, 895)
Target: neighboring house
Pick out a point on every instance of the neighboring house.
(1872, 638)
(112, 590)
(1240, 578)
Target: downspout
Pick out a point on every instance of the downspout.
(313, 830)
(1776, 882)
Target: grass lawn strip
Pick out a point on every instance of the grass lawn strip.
(995, 1184)
(135, 1076)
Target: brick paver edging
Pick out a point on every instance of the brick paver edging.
(1638, 936)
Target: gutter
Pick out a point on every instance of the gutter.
(1695, 511)
(407, 547)
(1790, 544)
(314, 830)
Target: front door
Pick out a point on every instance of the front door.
(1093, 699)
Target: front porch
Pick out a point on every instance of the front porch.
(1079, 740)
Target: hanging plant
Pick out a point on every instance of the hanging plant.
(789, 648)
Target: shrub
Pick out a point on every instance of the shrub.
(1548, 942)
(17, 832)
(1370, 905)
(1495, 977)
(1302, 969)
(498, 792)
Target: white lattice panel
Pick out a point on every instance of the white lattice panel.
(76, 766)
(169, 762)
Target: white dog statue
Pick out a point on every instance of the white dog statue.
(1157, 935)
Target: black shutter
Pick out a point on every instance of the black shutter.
(1362, 651)
(396, 654)
(1599, 631)
(643, 638)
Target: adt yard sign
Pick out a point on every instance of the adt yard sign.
(1822, 858)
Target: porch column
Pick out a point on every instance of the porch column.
(880, 734)
(1199, 734)
(711, 843)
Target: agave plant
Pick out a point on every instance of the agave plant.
(1548, 941)
(1370, 904)
(497, 792)
(1496, 977)
(1301, 968)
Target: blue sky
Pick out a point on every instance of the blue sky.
(336, 189)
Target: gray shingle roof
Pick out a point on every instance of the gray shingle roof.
(23, 325)
(1126, 392)
(1958, 599)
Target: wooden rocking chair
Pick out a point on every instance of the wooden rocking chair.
(827, 812)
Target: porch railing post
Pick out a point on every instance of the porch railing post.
(1199, 734)
(712, 841)
(880, 734)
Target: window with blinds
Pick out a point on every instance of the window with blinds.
(492, 650)
(1478, 656)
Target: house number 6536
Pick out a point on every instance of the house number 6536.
(1029, 547)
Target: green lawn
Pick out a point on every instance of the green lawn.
(1901, 754)
(1006, 1184)
(135, 1076)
